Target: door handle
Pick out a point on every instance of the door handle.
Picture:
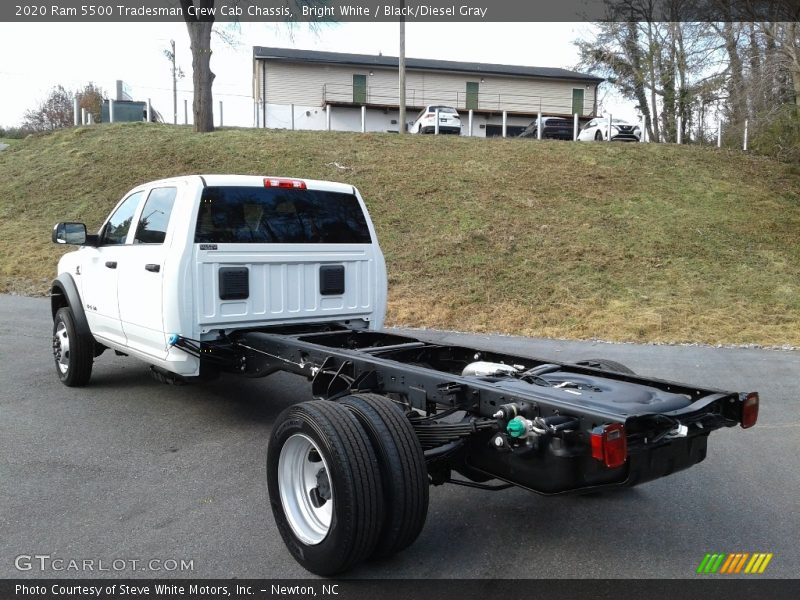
(152, 268)
(111, 264)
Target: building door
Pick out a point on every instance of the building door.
(577, 101)
(359, 89)
(472, 95)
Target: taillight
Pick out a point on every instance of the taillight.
(750, 410)
(291, 184)
(609, 445)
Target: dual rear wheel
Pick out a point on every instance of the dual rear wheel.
(347, 481)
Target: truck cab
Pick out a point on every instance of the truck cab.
(199, 256)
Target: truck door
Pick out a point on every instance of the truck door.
(100, 271)
(141, 276)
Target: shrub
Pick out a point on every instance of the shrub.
(778, 134)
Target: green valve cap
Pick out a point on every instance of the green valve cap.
(517, 427)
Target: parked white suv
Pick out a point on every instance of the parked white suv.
(449, 121)
(197, 256)
(621, 131)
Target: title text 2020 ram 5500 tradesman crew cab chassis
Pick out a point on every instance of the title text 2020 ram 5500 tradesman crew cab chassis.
(250, 275)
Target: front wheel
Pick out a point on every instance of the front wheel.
(598, 137)
(324, 487)
(73, 353)
(605, 364)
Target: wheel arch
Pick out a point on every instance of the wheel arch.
(64, 293)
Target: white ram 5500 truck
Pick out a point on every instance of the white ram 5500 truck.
(200, 255)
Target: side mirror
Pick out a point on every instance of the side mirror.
(69, 233)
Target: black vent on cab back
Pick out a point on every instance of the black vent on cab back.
(331, 280)
(234, 283)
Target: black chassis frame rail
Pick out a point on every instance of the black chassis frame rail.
(343, 361)
(337, 370)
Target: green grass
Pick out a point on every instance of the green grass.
(9, 141)
(625, 242)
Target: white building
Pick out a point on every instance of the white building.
(305, 89)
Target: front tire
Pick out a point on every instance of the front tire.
(403, 471)
(73, 353)
(324, 487)
(598, 137)
(605, 364)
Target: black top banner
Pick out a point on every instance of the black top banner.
(311, 11)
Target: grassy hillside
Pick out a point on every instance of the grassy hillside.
(624, 242)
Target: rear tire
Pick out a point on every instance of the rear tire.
(404, 474)
(606, 365)
(73, 353)
(324, 487)
(598, 137)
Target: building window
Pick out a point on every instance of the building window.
(472, 95)
(359, 89)
(577, 101)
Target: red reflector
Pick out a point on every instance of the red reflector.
(610, 445)
(597, 444)
(291, 184)
(750, 410)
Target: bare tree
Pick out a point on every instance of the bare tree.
(199, 27)
(54, 112)
(663, 66)
(785, 40)
(738, 61)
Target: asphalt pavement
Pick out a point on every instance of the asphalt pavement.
(128, 469)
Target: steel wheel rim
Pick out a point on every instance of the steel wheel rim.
(305, 490)
(61, 347)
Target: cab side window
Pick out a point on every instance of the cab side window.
(116, 230)
(152, 227)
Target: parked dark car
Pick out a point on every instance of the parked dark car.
(554, 128)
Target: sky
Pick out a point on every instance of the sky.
(38, 56)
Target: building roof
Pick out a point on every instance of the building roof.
(368, 60)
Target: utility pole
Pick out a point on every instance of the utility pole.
(402, 70)
(174, 85)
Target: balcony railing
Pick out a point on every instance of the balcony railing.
(340, 93)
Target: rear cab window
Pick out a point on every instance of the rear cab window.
(248, 215)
